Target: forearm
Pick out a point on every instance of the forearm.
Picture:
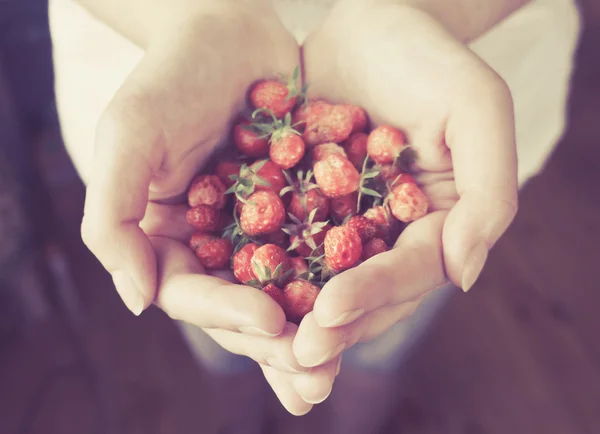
(141, 20)
(468, 19)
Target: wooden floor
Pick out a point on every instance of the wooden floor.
(519, 355)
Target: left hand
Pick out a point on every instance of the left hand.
(405, 69)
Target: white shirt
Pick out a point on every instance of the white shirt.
(532, 50)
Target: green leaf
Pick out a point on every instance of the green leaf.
(370, 192)
(258, 165)
(260, 181)
(371, 174)
(312, 214)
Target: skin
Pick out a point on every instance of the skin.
(149, 144)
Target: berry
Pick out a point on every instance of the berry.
(306, 236)
(204, 218)
(225, 170)
(250, 141)
(262, 175)
(356, 149)
(214, 252)
(385, 143)
(276, 96)
(271, 264)
(389, 172)
(326, 123)
(276, 294)
(382, 219)
(299, 299)
(272, 174)
(207, 190)
(373, 247)
(320, 152)
(341, 207)
(366, 229)
(343, 248)
(359, 118)
(305, 197)
(262, 214)
(299, 266)
(408, 202)
(287, 151)
(336, 176)
(242, 263)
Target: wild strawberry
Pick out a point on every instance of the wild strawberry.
(359, 118)
(204, 218)
(306, 236)
(389, 172)
(305, 197)
(263, 175)
(342, 207)
(276, 96)
(271, 264)
(408, 202)
(207, 190)
(249, 140)
(326, 123)
(343, 247)
(385, 143)
(224, 170)
(366, 229)
(356, 149)
(242, 263)
(263, 213)
(287, 147)
(382, 219)
(320, 152)
(373, 247)
(275, 293)
(299, 299)
(336, 176)
(299, 266)
(214, 252)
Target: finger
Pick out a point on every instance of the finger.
(169, 221)
(480, 135)
(275, 352)
(281, 383)
(412, 268)
(315, 345)
(186, 294)
(316, 386)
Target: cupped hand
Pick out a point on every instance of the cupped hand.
(408, 71)
(171, 114)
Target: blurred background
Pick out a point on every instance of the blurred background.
(519, 354)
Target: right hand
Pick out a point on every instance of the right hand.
(164, 123)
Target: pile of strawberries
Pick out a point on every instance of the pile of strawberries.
(307, 193)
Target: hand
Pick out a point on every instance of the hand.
(406, 70)
(169, 116)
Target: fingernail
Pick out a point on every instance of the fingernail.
(473, 266)
(281, 365)
(328, 356)
(255, 331)
(345, 318)
(339, 366)
(129, 292)
(318, 400)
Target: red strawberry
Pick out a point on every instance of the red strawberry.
(359, 118)
(366, 229)
(299, 296)
(287, 151)
(275, 96)
(336, 176)
(326, 123)
(373, 247)
(320, 152)
(306, 236)
(408, 202)
(207, 190)
(342, 207)
(262, 175)
(385, 144)
(356, 149)
(249, 140)
(272, 174)
(214, 252)
(271, 264)
(299, 266)
(275, 293)
(343, 248)
(381, 217)
(264, 213)
(204, 218)
(242, 263)
(305, 197)
(389, 172)
(225, 169)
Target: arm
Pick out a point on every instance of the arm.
(467, 19)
